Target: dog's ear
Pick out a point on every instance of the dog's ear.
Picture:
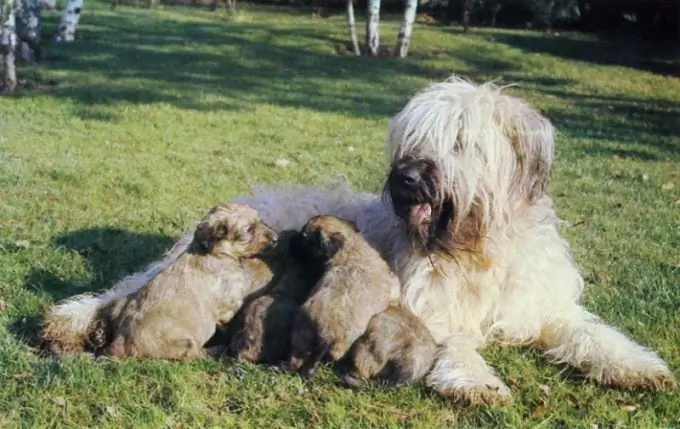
(332, 243)
(203, 236)
(533, 139)
(353, 225)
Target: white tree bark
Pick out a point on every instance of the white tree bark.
(8, 45)
(372, 27)
(69, 21)
(404, 36)
(352, 27)
(28, 29)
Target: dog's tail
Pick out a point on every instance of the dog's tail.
(68, 324)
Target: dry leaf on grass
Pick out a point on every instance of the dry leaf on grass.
(23, 244)
(540, 411)
(22, 375)
(668, 186)
(3, 305)
(282, 162)
(59, 401)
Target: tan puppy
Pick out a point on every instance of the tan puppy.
(356, 284)
(397, 348)
(176, 313)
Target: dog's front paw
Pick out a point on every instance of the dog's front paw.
(493, 392)
(659, 379)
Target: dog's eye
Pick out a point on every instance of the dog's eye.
(222, 231)
(251, 229)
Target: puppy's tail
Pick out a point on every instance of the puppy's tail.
(67, 325)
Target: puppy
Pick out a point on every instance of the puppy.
(176, 313)
(356, 284)
(397, 348)
(260, 333)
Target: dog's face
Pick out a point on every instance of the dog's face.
(321, 238)
(234, 230)
(414, 188)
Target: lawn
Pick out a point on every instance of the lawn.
(119, 141)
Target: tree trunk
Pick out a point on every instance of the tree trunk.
(404, 36)
(231, 6)
(28, 29)
(69, 21)
(153, 4)
(467, 12)
(373, 27)
(494, 13)
(352, 27)
(8, 45)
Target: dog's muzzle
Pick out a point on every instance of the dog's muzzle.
(411, 190)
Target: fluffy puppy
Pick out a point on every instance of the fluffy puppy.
(260, 332)
(356, 284)
(176, 313)
(397, 348)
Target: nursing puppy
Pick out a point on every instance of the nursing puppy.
(176, 313)
(356, 284)
(397, 348)
(260, 332)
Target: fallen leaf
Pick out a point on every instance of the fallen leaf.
(544, 388)
(282, 162)
(2, 305)
(22, 375)
(350, 149)
(538, 412)
(594, 426)
(111, 410)
(645, 177)
(668, 186)
(630, 407)
(24, 244)
(59, 401)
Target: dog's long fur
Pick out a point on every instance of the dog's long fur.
(512, 279)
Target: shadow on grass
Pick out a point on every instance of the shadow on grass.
(111, 254)
(142, 57)
(604, 50)
(644, 129)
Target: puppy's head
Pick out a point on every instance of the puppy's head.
(233, 230)
(322, 237)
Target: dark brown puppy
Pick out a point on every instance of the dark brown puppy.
(175, 314)
(356, 284)
(397, 348)
(261, 331)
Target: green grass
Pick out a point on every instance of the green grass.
(125, 137)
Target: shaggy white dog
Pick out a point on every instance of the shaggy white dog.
(466, 222)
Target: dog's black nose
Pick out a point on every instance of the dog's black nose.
(409, 176)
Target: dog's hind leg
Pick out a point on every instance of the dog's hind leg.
(604, 353)
(461, 373)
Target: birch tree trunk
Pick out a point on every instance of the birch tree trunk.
(372, 27)
(467, 11)
(352, 27)
(404, 36)
(8, 45)
(28, 29)
(69, 21)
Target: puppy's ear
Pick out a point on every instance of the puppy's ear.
(203, 236)
(353, 225)
(332, 243)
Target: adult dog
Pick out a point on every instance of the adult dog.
(467, 223)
